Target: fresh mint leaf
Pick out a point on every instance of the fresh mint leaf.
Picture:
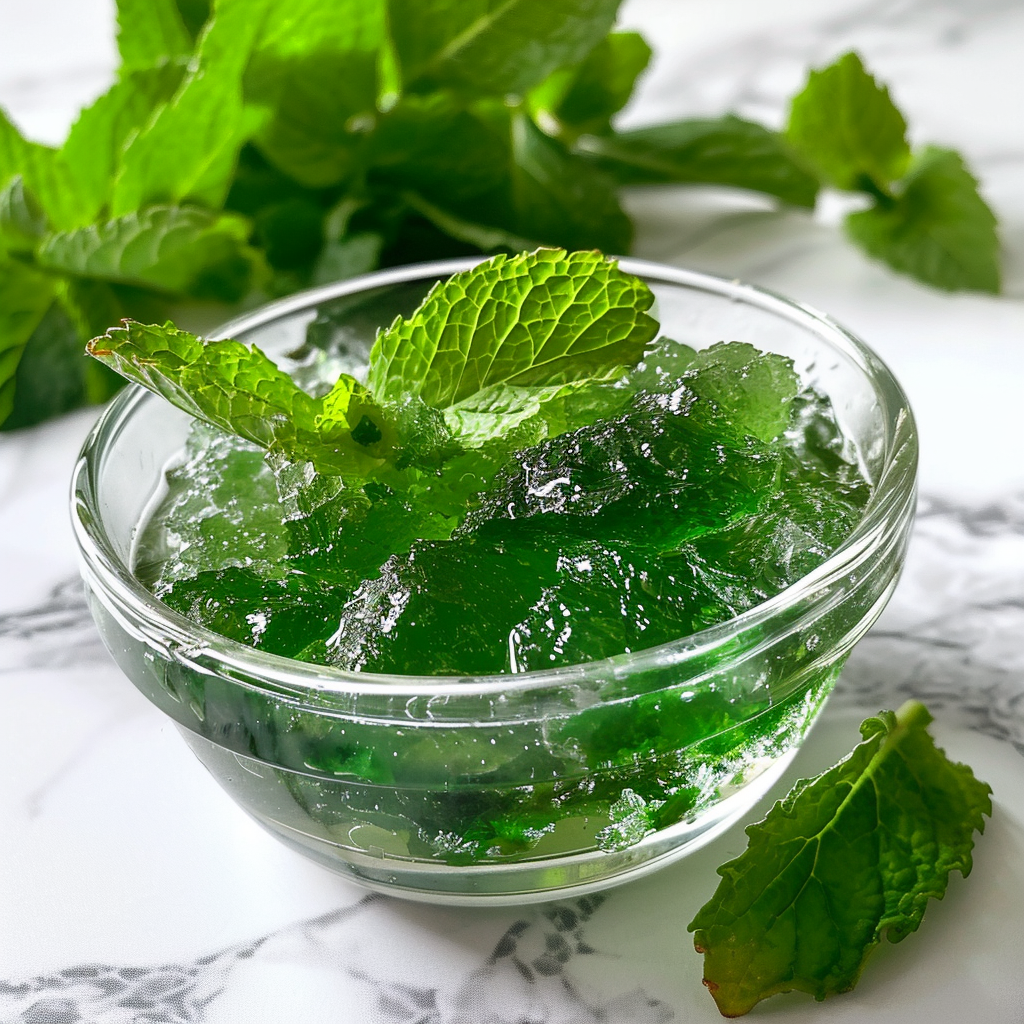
(494, 47)
(844, 860)
(51, 375)
(314, 68)
(537, 319)
(239, 389)
(494, 411)
(190, 148)
(937, 229)
(93, 146)
(714, 151)
(45, 174)
(582, 98)
(22, 221)
(149, 33)
(847, 126)
(177, 249)
(25, 296)
(559, 198)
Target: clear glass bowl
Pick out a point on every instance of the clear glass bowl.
(507, 788)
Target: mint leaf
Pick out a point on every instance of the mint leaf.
(51, 376)
(239, 389)
(46, 175)
(488, 176)
(25, 296)
(494, 411)
(560, 199)
(545, 318)
(846, 125)
(150, 32)
(190, 148)
(718, 151)
(492, 46)
(176, 249)
(93, 146)
(314, 69)
(22, 221)
(584, 97)
(843, 860)
(937, 229)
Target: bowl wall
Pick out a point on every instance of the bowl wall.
(507, 788)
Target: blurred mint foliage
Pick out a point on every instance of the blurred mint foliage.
(250, 148)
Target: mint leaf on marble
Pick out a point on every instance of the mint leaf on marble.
(847, 126)
(709, 151)
(538, 319)
(844, 860)
(937, 228)
(239, 389)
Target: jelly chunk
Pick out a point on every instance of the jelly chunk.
(280, 616)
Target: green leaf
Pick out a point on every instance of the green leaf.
(176, 249)
(585, 96)
(45, 173)
(22, 221)
(52, 376)
(560, 199)
(190, 148)
(94, 145)
(846, 125)
(717, 151)
(314, 69)
(25, 296)
(239, 389)
(489, 176)
(532, 320)
(938, 229)
(845, 859)
(150, 32)
(347, 257)
(494, 411)
(493, 46)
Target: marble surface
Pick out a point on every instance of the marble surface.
(133, 890)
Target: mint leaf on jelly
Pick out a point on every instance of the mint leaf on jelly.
(844, 860)
(543, 318)
(239, 389)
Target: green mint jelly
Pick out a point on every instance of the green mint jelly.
(634, 513)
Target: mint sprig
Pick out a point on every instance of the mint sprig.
(487, 349)
(845, 860)
(927, 218)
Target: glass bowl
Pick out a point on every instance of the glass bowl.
(507, 788)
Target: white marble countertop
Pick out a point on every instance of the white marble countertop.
(133, 890)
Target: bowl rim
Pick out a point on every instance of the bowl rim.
(887, 513)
